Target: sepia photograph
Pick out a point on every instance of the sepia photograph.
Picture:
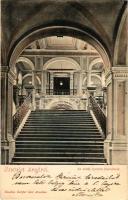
(64, 93)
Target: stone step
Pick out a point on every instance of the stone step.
(61, 149)
(31, 139)
(68, 135)
(58, 154)
(60, 121)
(58, 145)
(62, 116)
(61, 128)
(59, 163)
(59, 159)
(69, 132)
(59, 137)
(60, 125)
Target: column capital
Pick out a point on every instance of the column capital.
(120, 72)
(117, 73)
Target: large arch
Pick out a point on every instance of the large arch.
(65, 60)
(27, 75)
(95, 61)
(97, 76)
(121, 44)
(26, 60)
(53, 30)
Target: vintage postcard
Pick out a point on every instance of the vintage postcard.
(64, 100)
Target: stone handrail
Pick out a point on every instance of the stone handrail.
(21, 113)
(99, 114)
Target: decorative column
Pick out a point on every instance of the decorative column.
(4, 114)
(81, 75)
(33, 92)
(11, 78)
(43, 88)
(51, 82)
(117, 116)
(43, 77)
(7, 141)
(71, 83)
(88, 73)
(126, 108)
(42, 82)
(80, 82)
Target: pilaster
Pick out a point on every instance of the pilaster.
(71, 83)
(11, 79)
(33, 91)
(80, 82)
(51, 80)
(43, 88)
(117, 116)
(7, 80)
(4, 138)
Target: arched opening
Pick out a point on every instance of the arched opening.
(72, 60)
(80, 33)
(58, 72)
(63, 56)
(61, 105)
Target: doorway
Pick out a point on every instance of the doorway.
(61, 86)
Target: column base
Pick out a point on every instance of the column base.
(116, 151)
(4, 152)
(11, 147)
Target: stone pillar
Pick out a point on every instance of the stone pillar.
(80, 82)
(117, 116)
(51, 80)
(11, 78)
(71, 83)
(33, 92)
(42, 82)
(45, 81)
(126, 108)
(4, 113)
(43, 88)
(7, 141)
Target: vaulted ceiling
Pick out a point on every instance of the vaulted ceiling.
(98, 17)
(60, 43)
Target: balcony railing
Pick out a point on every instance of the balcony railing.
(99, 114)
(21, 113)
(61, 92)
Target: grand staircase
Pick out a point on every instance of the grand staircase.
(59, 137)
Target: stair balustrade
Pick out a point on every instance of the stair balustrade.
(21, 113)
(99, 114)
(61, 92)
